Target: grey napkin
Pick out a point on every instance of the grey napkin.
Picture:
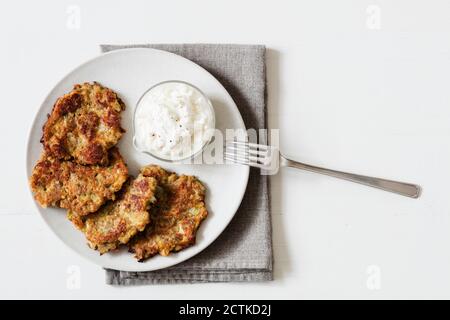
(243, 252)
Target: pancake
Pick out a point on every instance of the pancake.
(84, 124)
(176, 216)
(82, 189)
(117, 222)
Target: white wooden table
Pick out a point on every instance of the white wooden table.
(356, 85)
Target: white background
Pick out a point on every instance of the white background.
(346, 92)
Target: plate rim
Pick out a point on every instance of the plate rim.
(29, 165)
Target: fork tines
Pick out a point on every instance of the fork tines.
(252, 154)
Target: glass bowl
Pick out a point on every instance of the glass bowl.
(194, 153)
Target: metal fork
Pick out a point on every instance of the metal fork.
(269, 158)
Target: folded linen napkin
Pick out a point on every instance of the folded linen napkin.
(243, 252)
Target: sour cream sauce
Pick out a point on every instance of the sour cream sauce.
(173, 121)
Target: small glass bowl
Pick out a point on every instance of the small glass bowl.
(191, 156)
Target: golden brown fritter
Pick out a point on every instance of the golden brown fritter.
(84, 124)
(83, 189)
(117, 222)
(175, 217)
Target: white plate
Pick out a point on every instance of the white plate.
(130, 72)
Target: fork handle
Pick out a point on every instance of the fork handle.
(402, 188)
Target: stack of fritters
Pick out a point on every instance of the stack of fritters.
(81, 170)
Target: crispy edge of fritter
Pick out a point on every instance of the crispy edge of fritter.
(122, 219)
(179, 195)
(54, 182)
(74, 115)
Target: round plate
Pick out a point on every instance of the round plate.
(130, 72)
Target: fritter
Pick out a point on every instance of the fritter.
(117, 222)
(84, 124)
(175, 217)
(82, 189)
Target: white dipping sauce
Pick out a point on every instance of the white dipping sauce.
(173, 121)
